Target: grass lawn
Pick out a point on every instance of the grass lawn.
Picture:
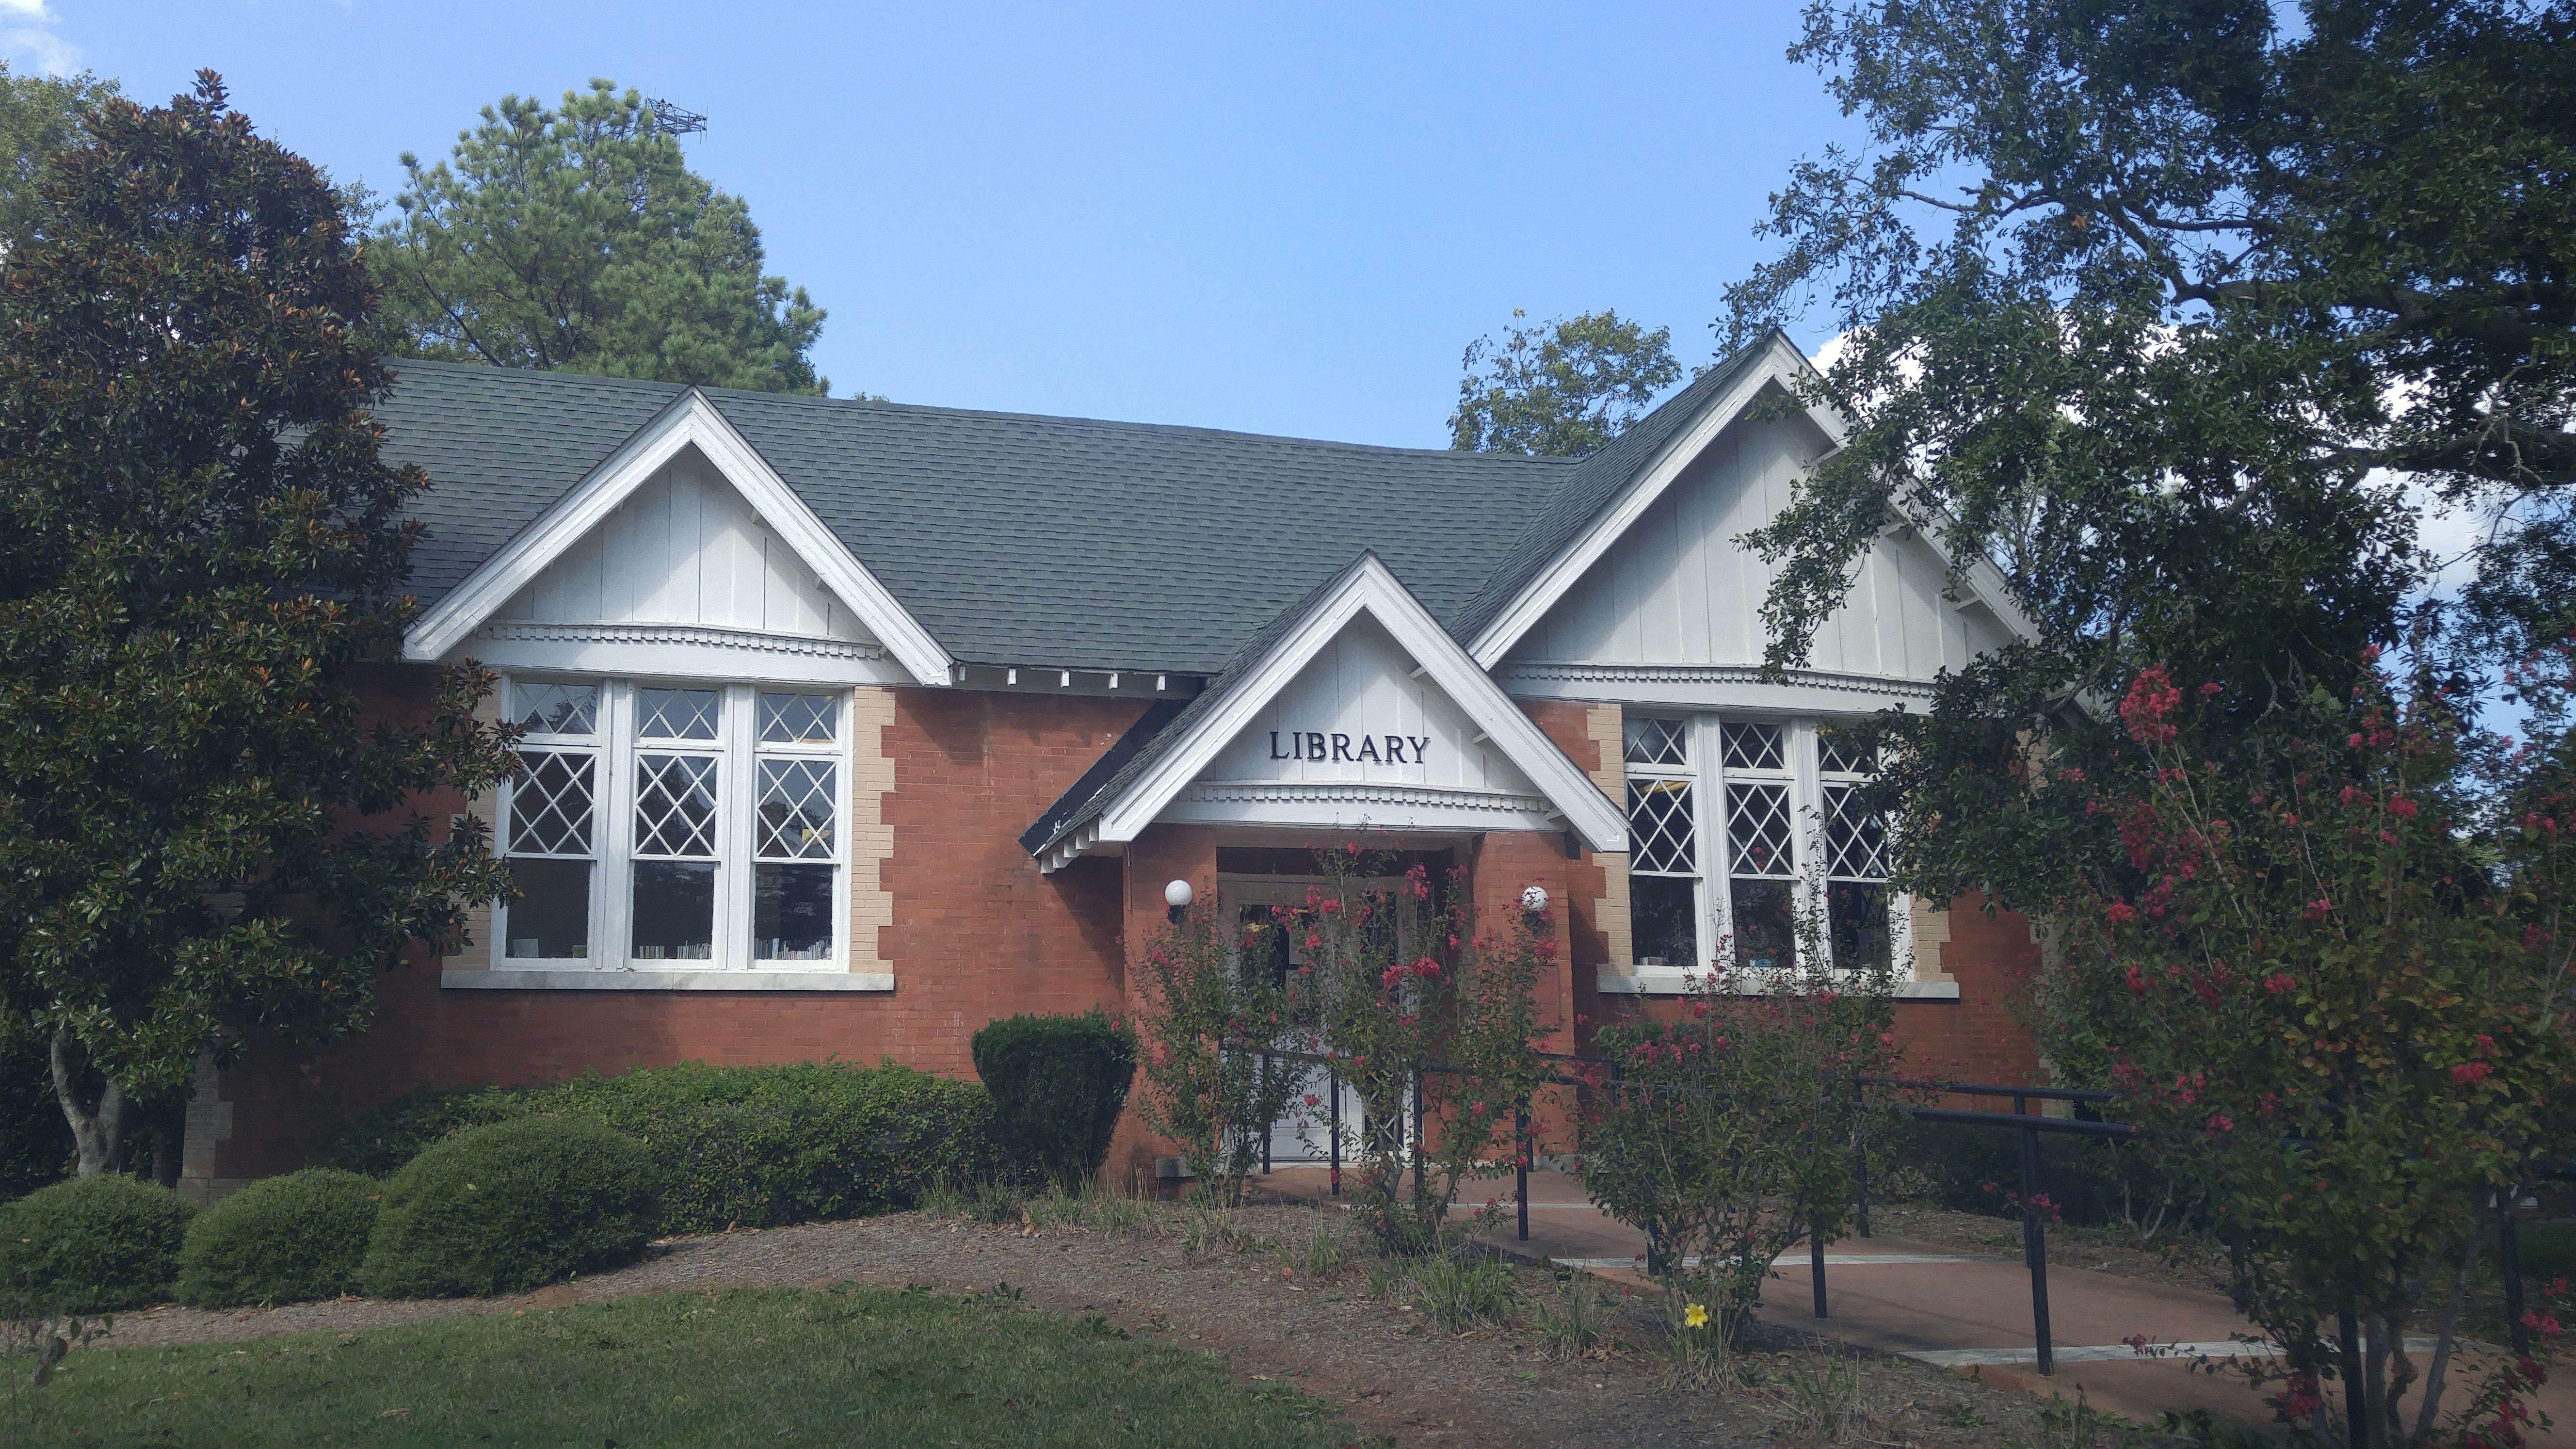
(764, 1367)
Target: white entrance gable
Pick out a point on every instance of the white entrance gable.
(682, 554)
(1363, 713)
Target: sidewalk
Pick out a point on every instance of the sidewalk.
(1967, 1312)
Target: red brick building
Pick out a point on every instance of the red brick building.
(851, 726)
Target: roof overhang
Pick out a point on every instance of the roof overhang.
(692, 420)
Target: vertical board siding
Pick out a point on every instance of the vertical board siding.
(1360, 684)
(1678, 588)
(686, 548)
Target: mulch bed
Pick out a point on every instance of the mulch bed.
(1393, 1373)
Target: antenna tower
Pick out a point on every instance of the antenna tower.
(673, 121)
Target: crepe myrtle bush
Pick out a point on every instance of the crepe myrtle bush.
(2332, 963)
(1727, 1130)
(1395, 976)
(1208, 1002)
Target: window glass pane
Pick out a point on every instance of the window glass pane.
(1857, 914)
(1656, 742)
(555, 709)
(550, 918)
(675, 805)
(677, 714)
(1855, 839)
(1765, 934)
(1752, 746)
(1840, 756)
(1659, 827)
(1663, 920)
(792, 912)
(796, 809)
(675, 911)
(550, 804)
(1757, 827)
(798, 718)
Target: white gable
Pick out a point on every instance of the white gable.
(1301, 739)
(683, 554)
(686, 548)
(1361, 738)
(1679, 589)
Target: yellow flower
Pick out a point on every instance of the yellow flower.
(1695, 1316)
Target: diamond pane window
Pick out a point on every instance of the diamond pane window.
(1659, 828)
(675, 805)
(1841, 757)
(1656, 742)
(796, 810)
(1757, 827)
(551, 805)
(1855, 839)
(796, 719)
(677, 714)
(1752, 746)
(555, 709)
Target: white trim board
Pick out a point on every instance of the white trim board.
(614, 980)
(1676, 981)
(1367, 587)
(692, 421)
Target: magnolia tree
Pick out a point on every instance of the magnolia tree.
(1728, 1131)
(2331, 968)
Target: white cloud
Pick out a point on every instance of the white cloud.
(32, 9)
(42, 49)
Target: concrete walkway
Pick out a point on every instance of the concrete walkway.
(1967, 1312)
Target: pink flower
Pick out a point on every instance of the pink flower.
(2279, 982)
(2218, 1123)
(2402, 808)
(2471, 1072)
(2121, 913)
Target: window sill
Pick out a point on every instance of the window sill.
(1674, 981)
(604, 979)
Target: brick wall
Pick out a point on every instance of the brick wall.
(975, 932)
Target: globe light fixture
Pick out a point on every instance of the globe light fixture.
(1534, 899)
(1178, 896)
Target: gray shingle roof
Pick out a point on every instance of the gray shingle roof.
(1013, 539)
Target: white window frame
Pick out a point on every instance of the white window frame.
(737, 751)
(1802, 772)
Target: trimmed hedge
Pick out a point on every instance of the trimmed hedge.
(748, 1146)
(510, 1206)
(279, 1240)
(92, 1245)
(1058, 1084)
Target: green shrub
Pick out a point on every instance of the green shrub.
(753, 1146)
(279, 1240)
(1058, 1084)
(93, 1245)
(380, 1143)
(510, 1206)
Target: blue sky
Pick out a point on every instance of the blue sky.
(1273, 218)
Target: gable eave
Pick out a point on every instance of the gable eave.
(691, 420)
(1775, 361)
